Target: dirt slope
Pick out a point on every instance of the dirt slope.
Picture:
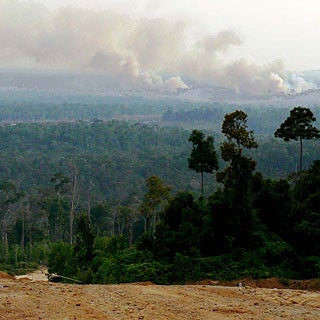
(26, 299)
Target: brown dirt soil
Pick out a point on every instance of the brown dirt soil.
(34, 299)
(4, 275)
(271, 283)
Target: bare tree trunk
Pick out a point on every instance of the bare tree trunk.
(121, 224)
(30, 237)
(300, 170)
(6, 244)
(5, 234)
(74, 171)
(4, 237)
(130, 227)
(154, 222)
(113, 221)
(89, 198)
(300, 163)
(22, 242)
(89, 202)
(145, 224)
(132, 220)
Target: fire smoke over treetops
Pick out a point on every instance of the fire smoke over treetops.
(142, 53)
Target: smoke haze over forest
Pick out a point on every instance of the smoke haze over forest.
(144, 53)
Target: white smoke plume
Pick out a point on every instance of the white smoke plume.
(137, 53)
(296, 83)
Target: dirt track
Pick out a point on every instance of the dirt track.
(27, 299)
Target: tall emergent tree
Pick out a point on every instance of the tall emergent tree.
(238, 136)
(298, 126)
(203, 157)
(233, 211)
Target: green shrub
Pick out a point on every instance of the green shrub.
(61, 259)
(146, 271)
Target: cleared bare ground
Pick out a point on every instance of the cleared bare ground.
(34, 299)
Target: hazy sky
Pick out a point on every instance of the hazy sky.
(273, 29)
(244, 44)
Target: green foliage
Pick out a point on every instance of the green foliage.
(238, 174)
(110, 271)
(232, 208)
(147, 271)
(234, 127)
(308, 182)
(180, 228)
(109, 246)
(9, 193)
(83, 247)
(115, 262)
(273, 203)
(99, 219)
(21, 259)
(37, 252)
(311, 267)
(61, 182)
(61, 259)
(154, 201)
(105, 264)
(185, 268)
(57, 210)
(298, 126)
(116, 157)
(307, 229)
(157, 192)
(203, 157)
(250, 227)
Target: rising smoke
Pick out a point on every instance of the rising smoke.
(137, 53)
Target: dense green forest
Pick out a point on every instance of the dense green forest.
(118, 157)
(112, 201)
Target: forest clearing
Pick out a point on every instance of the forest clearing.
(33, 299)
